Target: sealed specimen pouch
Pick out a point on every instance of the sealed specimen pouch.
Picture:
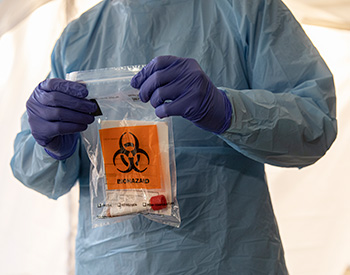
(131, 152)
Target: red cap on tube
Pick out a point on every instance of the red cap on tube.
(158, 202)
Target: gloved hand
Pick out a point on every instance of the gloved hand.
(57, 112)
(178, 87)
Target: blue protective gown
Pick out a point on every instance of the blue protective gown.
(283, 101)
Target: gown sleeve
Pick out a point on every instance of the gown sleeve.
(34, 167)
(287, 117)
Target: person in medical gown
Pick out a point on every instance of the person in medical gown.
(245, 87)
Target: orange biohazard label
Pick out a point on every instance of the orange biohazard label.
(131, 157)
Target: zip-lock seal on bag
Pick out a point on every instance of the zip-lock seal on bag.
(131, 151)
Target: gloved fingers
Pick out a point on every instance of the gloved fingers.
(156, 64)
(172, 81)
(59, 114)
(64, 86)
(171, 91)
(58, 99)
(54, 129)
(179, 107)
(44, 131)
(154, 82)
(170, 87)
(65, 128)
(158, 97)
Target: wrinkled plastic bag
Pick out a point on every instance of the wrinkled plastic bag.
(131, 151)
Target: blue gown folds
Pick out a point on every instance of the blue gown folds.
(283, 101)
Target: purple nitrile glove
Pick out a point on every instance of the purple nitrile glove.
(178, 87)
(57, 112)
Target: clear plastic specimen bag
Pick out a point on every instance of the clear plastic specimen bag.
(131, 152)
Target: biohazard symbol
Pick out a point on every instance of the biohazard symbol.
(130, 155)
